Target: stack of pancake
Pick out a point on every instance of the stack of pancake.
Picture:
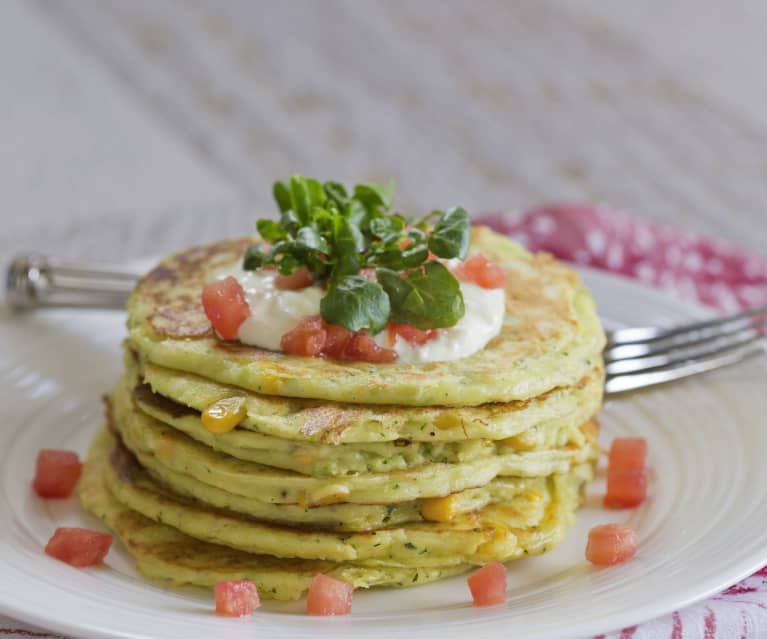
(377, 474)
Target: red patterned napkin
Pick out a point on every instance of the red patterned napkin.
(699, 268)
(702, 269)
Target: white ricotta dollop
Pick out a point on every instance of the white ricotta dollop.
(481, 322)
(274, 312)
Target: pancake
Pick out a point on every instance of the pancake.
(551, 338)
(334, 423)
(491, 533)
(145, 434)
(325, 460)
(164, 553)
(524, 495)
(376, 474)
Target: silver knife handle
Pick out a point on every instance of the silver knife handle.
(34, 281)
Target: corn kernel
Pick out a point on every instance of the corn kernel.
(332, 494)
(439, 508)
(527, 440)
(304, 459)
(224, 415)
(448, 420)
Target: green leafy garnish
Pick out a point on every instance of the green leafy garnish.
(429, 297)
(451, 236)
(356, 303)
(335, 235)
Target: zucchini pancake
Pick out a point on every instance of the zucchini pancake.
(351, 392)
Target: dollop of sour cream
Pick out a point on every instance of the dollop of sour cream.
(274, 312)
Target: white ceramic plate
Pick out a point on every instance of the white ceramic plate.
(701, 530)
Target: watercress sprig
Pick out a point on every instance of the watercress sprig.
(340, 237)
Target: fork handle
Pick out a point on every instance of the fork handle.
(34, 281)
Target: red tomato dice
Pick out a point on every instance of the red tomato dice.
(79, 547)
(225, 305)
(236, 598)
(628, 454)
(343, 344)
(611, 544)
(338, 338)
(300, 278)
(308, 338)
(480, 271)
(363, 348)
(625, 489)
(411, 334)
(57, 473)
(488, 584)
(328, 596)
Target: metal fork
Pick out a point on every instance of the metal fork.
(634, 357)
(639, 357)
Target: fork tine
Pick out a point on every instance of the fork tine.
(688, 352)
(647, 334)
(725, 357)
(700, 332)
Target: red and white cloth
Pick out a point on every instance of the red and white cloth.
(702, 269)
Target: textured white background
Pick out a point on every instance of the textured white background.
(160, 121)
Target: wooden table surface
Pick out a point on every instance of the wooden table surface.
(153, 124)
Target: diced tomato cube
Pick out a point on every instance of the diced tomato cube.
(308, 338)
(328, 596)
(236, 598)
(363, 348)
(313, 337)
(57, 473)
(298, 279)
(225, 305)
(411, 334)
(611, 544)
(488, 584)
(79, 547)
(480, 271)
(343, 344)
(625, 489)
(338, 338)
(628, 453)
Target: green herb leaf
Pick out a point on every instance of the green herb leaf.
(336, 193)
(281, 192)
(387, 229)
(308, 238)
(288, 264)
(415, 255)
(254, 258)
(348, 243)
(356, 303)
(452, 235)
(305, 194)
(335, 233)
(429, 297)
(271, 231)
(375, 195)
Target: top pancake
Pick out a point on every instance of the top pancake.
(551, 337)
